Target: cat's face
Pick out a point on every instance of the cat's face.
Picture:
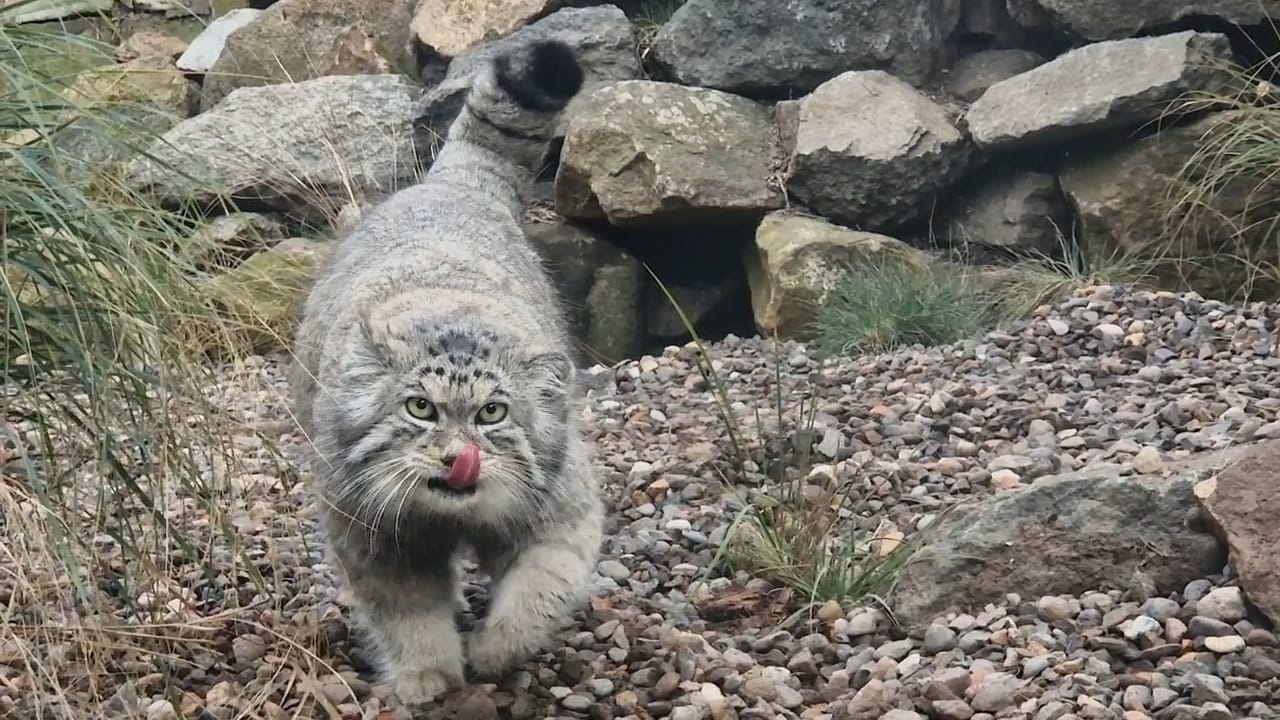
(445, 420)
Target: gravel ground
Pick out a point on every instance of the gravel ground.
(1127, 379)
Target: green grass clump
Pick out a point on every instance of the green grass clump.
(796, 531)
(882, 307)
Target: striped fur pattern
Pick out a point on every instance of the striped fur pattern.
(433, 329)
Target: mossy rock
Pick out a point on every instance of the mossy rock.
(262, 295)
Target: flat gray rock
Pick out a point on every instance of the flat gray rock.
(1097, 87)
(1018, 210)
(971, 75)
(243, 148)
(772, 49)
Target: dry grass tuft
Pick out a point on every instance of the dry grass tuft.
(131, 502)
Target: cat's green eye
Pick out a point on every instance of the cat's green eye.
(420, 408)
(492, 413)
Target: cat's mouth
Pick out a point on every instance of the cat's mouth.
(439, 485)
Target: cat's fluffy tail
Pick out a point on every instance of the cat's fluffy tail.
(511, 112)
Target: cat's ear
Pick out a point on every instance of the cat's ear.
(552, 368)
(549, 376)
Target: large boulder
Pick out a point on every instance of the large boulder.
(450, 27)
(767, 48)
(642, 152)
(603, 41)
(870, 151)
(796, 260)
(1098, 87)
(1015, 210)
(1063, 535)
(296, 40)
(1243, 503)
(601, 285)
(1137, 201)
(308, 164)
(1108, 19)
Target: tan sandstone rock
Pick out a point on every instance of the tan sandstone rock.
(1243, 502)
(796, 260)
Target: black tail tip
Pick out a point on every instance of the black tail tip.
(543, 75)
(554, 69)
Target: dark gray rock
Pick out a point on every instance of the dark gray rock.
(600, 284)
(770, 49)
(1016, 210)
(973, 74)
(1061, 536)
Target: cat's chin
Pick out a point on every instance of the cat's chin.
(438, 485)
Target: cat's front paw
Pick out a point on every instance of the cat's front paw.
(418, 687)
(493, 652)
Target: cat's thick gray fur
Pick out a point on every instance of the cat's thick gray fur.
(436, 293)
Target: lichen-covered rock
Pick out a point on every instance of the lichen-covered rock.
(771, 49)
(1108, 19)
(1097, 87)
(1017, 210)
(1125, 197)
(107, 108)
(871, 152)
(449, 27)
(601, 285)
(1064, 535)
(296, 40)
(308, 164)
(796, 260)
(641, 152)
(602, 39)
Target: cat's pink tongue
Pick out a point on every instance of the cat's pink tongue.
(465, 471)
